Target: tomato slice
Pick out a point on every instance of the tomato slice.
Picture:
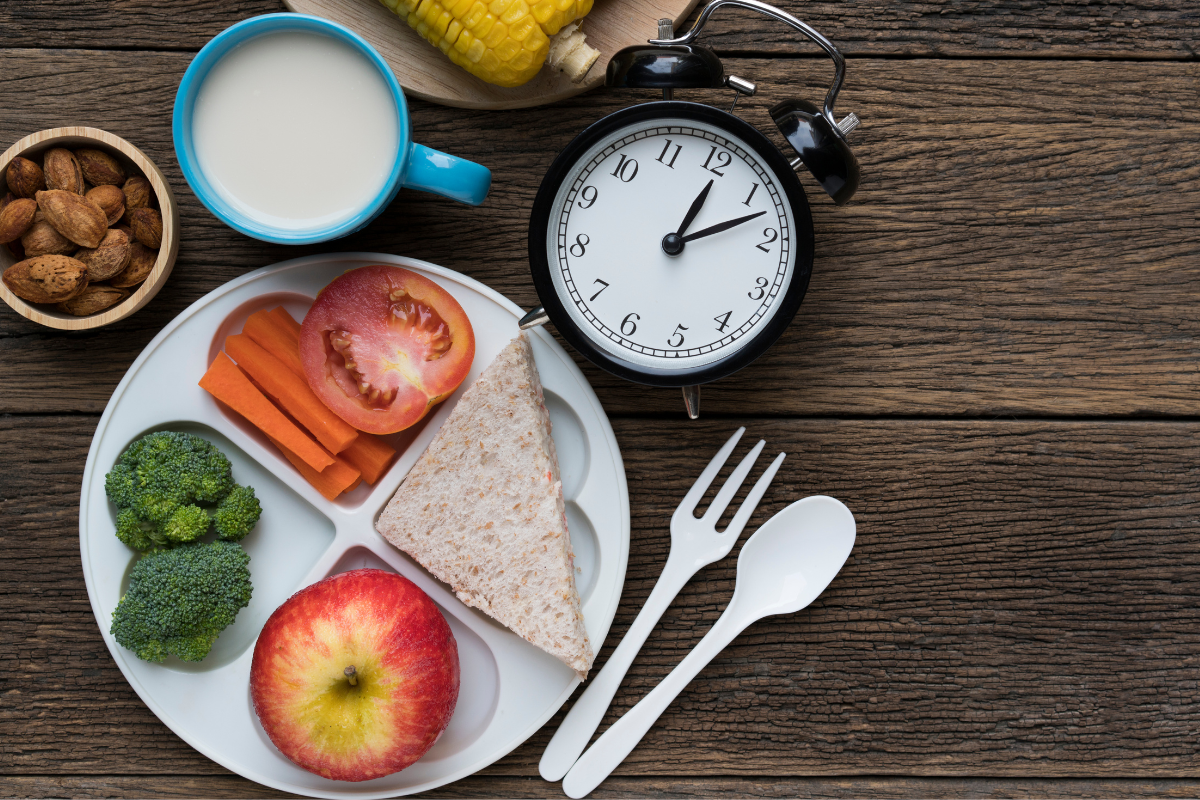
(382, 345)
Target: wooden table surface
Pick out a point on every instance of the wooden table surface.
(997, 367)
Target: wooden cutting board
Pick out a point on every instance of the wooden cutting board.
(424, 72)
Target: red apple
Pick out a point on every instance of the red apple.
(355, 677)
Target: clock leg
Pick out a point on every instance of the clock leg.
(691, 399)
(534, 319)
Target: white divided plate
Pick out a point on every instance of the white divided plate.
(509, 687)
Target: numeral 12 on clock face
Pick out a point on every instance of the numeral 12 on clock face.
(670, 245)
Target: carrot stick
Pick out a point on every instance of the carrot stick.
(291, 392)
(338, 477)
(328, 480)
(370, 455)
(286, 321)
(226, 382)
(268, 334)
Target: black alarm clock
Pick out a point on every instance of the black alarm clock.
(671, 242)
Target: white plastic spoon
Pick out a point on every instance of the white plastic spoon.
(783, 567)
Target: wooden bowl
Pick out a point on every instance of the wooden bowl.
(134, 161)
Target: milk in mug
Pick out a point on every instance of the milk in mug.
(296, 130)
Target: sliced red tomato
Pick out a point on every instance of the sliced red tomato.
(383, 345)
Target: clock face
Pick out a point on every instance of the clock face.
(672, 245)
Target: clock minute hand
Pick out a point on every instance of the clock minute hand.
(721, 226)
(694, 210)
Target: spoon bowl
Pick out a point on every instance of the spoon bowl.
(792, 558)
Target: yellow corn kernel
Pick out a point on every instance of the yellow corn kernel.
(475, 51)
(507, 49)
(476, 13)
(516, 11)
(521, 60)
(542, 11)
(489, 61)
(495, 36)
(442, 24)
(523, 28)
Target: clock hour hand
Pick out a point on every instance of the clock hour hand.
(721, 226)
(697, 204)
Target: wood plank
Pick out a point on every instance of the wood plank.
(1023, 601)
(900, 788)
(1166, 29)
(1009, 252)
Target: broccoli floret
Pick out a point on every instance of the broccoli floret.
(180, 599)
(133, 532)
(187, 524)
(161, 484)
(237, 514)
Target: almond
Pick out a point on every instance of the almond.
(46, 279)
(141, 262)
(107, 260)
(16, 218)
(147, 227)
(99, 168)
(93, 300)
(25, 178)
(111, 201)
(63, 172)
(42, 240)
(75, 217)
(8, 198)
(137, 192)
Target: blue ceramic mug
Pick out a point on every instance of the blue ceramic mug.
(415, 166)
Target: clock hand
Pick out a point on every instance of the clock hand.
(672, 243)
(721, 226)
(694, 210)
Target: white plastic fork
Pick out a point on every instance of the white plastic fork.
(695, 543)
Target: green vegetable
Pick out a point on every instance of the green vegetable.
(237, 514)
(180, 599)
(161, 486)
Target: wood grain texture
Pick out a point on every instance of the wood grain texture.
(34, 146)
(1026, 239)
(1023, 600)
(1135, 29)
(486, 786)
(1019, 618)
(425, 72)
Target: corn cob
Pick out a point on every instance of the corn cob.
(504, 42)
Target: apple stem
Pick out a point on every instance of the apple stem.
(352, 675)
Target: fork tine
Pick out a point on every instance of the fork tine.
(721, 501)
(751, 502)
(701, 485)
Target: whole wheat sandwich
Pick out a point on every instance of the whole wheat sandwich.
(483, 510)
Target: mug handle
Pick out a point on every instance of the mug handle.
(433, 171)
